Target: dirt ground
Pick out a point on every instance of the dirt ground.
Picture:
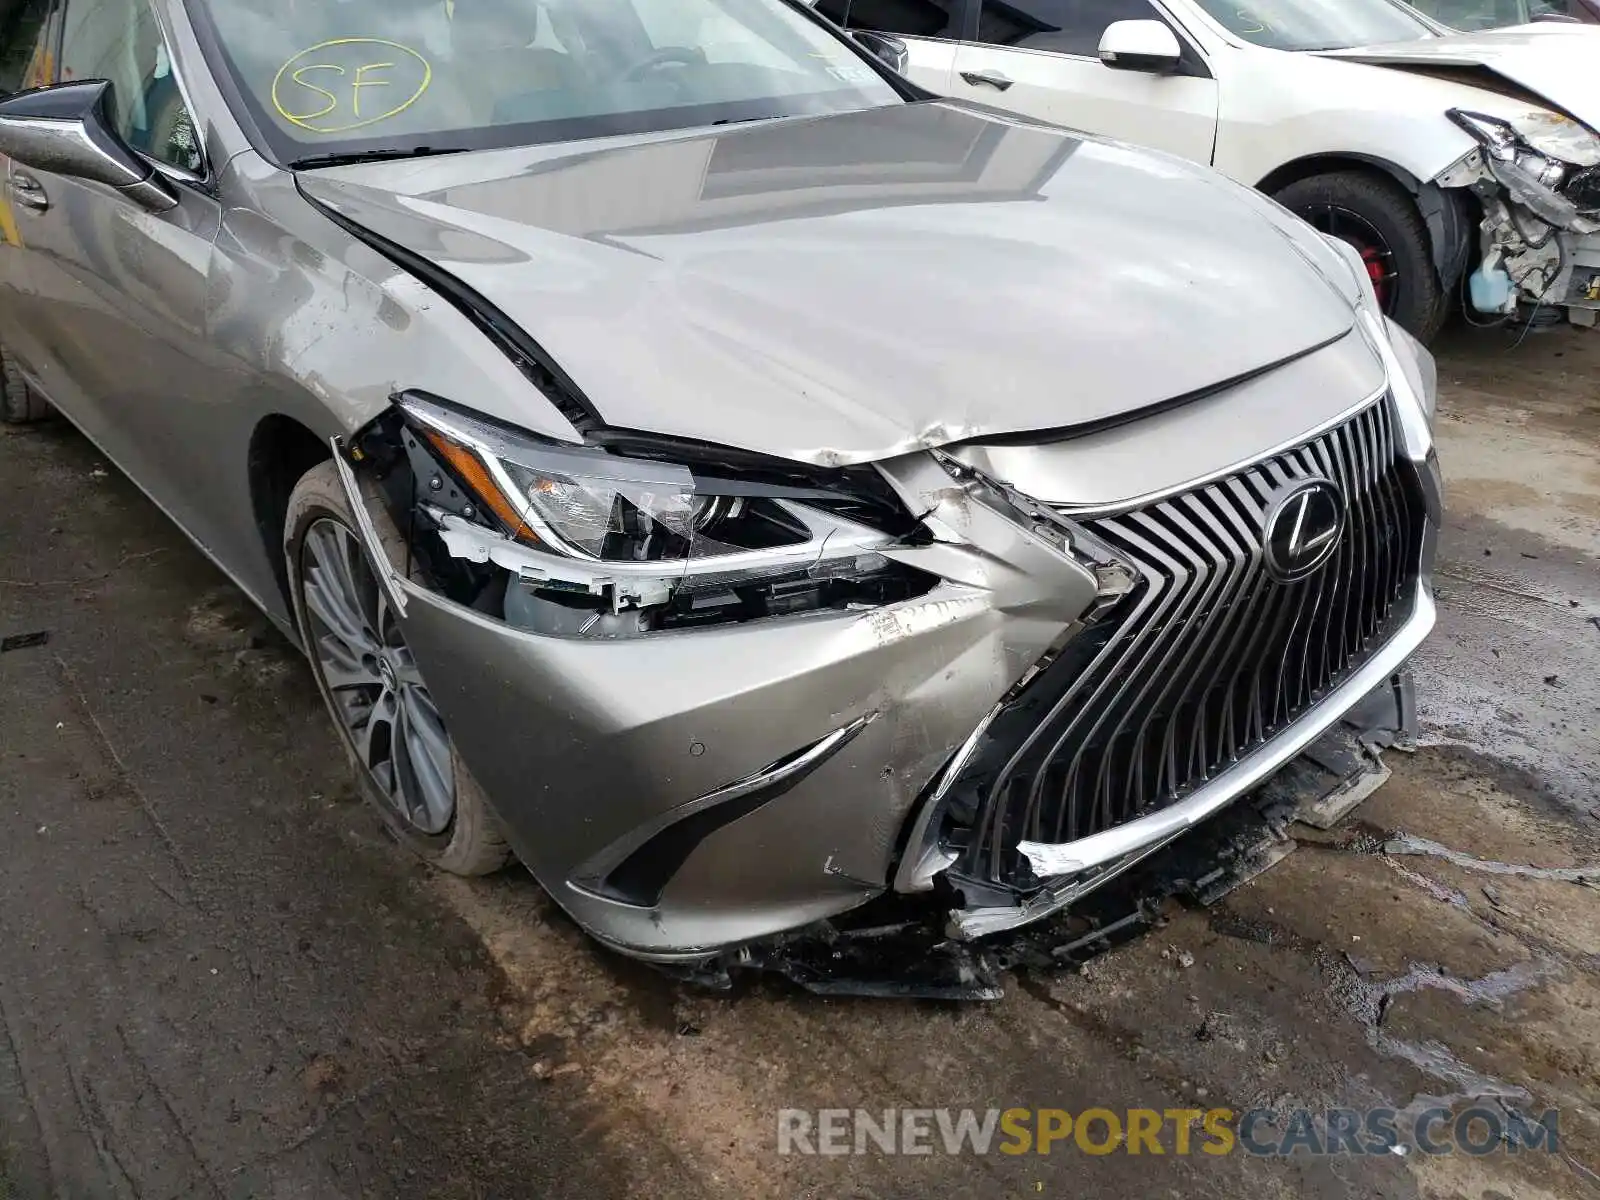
(219, 978)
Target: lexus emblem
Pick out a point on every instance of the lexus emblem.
(1302, 529)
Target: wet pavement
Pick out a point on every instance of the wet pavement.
(218, 977)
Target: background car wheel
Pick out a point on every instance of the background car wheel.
(1381, 220)
(405, 761)
(19, 403)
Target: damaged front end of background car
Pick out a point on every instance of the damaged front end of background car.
(1537, 179)
(843, 723)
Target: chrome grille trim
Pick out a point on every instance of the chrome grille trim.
(1208, 661)
(1085, 511)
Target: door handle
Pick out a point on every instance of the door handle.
(992, 78)
(28, 191)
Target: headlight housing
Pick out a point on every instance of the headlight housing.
(1550, 136)
(1545, 161)
(1558, 137)
(669, 532)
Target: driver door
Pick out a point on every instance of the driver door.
(1041, 58)
(27, 59)
(113, 326)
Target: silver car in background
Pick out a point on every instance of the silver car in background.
(705, 467)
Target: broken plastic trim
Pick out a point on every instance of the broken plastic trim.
(369, 534)
(796, 549)
(645, 584)
(926, 855)
(1532, 176)
(897, 946)
(1089, 862)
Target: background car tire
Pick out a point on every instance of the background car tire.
(1418, 303)
(474, 842)
(19, 403)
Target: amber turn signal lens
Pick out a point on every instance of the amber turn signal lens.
(470, 468)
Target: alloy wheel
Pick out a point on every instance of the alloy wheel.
(372, 680)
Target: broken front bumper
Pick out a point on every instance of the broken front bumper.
(684, 792)
(774, 763)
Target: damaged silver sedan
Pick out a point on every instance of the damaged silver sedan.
(707, 468)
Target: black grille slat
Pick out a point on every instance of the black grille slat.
(1210, 656)
(1330, 659)
(1189, 578)
(1170, 703)
(1232, 577)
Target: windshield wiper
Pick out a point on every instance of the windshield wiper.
(360, 156)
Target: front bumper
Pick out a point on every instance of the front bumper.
(785, 770)
(588, 749)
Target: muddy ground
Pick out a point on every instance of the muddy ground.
(218, 978)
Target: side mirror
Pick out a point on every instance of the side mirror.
(64, 130)
(890, 49)
(1141, 46)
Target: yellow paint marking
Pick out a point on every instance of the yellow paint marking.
(361, 82)
(299, 77)
(339, 113)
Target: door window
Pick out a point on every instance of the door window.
(24, 59)
(119, 40)
(1065, 26)
(912, 18)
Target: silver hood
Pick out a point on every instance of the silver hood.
(843, 289)
(1556, 62)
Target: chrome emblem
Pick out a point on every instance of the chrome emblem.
(1302, 529)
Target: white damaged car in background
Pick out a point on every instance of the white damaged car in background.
(1453, 163)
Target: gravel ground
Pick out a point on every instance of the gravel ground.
(218, 977)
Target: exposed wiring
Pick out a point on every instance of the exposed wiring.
(1508, 318)
(1561, 266)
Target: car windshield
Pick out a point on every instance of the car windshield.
(1318, 24)
(340, 77)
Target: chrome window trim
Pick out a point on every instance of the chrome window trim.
(171, 170)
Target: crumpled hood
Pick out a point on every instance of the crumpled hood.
(1556, 61)
(842, 289)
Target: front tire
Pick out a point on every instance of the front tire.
(19, 403)
(406, 763)
(1381, 220)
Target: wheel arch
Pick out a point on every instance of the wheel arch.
(1326, 164)
(282, 450)
(1447, 212)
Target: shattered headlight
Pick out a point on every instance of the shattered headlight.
(695, 533)
(1557, 139)
(1545, 162)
